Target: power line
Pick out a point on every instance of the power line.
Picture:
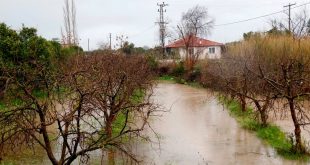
(262, 16)
(230, 23)
(250, 19)
(141, 32)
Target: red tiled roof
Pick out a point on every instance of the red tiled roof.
(193, 42)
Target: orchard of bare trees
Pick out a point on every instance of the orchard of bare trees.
(79, 106)
(71, 107)
(263, 70)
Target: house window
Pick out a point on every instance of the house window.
(211, 50)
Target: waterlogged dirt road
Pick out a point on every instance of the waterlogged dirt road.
(197, 130)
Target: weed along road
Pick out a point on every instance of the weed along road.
(198, 130)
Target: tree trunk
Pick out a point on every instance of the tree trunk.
(111, 154)
(111, 157)
(1, 153)
(262, 112)
(48, 145)
(187, 57)
(243, 103)
(298, 146)
(263, 116)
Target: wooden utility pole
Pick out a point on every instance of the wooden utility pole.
(110, 40)
(162, 26)
(289, 15)
(88, 44)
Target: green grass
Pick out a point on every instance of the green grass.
(120, 120)
(39, 94)
(167, 78)
(194, 84)
(270, 134)
(138, 96)
(179, 81)
(18, 161)
(7, 163)
(13, 103)
(118, 124)
(2, 106)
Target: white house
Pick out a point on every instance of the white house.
(206, 49)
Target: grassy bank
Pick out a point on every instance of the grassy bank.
(270, 134)
(172, 79)
(166, 78)
(120, 120)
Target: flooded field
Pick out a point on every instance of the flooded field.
(196, 130)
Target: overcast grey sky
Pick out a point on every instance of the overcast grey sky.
(136, 18)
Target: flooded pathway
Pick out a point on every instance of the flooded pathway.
(197, 130)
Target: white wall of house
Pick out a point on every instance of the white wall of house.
(205, 52)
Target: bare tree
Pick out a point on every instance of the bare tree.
(104, 46)
(299, 25)
(69, 36)
(289, 80)
(195, 22)
(269, 69)
(233, 77)
(82, 117)
(120, 41)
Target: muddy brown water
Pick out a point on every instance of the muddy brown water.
(198, 130)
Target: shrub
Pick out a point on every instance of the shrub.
(194, 75)
(179, 69)
(163, 70)
(151, 60)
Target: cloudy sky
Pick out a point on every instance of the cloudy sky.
(136, 18)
